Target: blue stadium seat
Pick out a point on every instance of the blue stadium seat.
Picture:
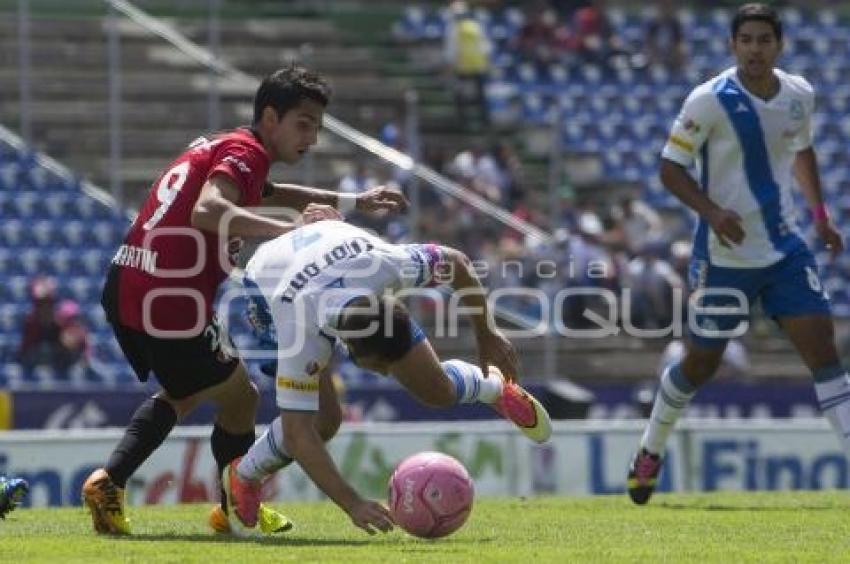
(12, 317)
(95, 262)
(74, 233)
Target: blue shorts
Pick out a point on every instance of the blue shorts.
(788, 288)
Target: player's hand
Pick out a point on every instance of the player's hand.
(727, 226)
(318, 212)
(495, 349)
(370, 515)
(830, 236)
(382, 198)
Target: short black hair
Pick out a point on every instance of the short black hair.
(757, 12)
(285, 88)
(391, 337)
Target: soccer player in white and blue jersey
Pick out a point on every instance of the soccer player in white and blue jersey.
(330, 283)
(748, 131)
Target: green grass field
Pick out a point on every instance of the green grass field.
(723, 527)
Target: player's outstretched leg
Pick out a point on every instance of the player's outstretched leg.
(105, 501)
(643, 474)
(12, 491)
(507, 398)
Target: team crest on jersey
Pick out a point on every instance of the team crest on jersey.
(692, 126)
(796, 109)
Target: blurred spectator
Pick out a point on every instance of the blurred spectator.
(594, 39)
(478, 171)
(664, 41)
(73, 336)
(653, 282)
(359, 180)
(510, 166)
(637, 225)
(52, 336)
(588, 264)
(467, 54)
(40, 335)
(538, 39)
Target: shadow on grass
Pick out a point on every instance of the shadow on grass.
(410, 543)
(276, 540)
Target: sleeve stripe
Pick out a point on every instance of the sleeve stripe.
(681, 143)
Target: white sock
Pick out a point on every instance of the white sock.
(832, 388)
(266, 456)
(470, 384)
(673, 396)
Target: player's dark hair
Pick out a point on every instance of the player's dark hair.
(391, 336)
(757, 13)
(287, 87)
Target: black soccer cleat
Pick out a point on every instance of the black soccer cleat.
(643, 474)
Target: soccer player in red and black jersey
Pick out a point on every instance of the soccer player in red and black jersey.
(161, 284)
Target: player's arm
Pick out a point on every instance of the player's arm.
(304, 444)
(806, 173)
(726, 224)
(217, 208)
(219, 199)
(689, 133)
(298, 197)
(493, 347)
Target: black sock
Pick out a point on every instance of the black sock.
(149, 426)
(227, 446)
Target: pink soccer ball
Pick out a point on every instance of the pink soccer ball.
(430, 495)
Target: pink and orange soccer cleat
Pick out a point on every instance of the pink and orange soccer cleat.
(523, 409)
(243, 501)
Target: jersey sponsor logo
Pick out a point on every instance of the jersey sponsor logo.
(244, 168)
(204, 144)
(296, 385)
(136, 257)
(681, 143)
(343, 251)
(692, 126)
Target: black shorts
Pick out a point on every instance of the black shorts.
(183, 367)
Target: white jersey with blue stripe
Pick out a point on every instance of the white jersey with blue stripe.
(334, 258)
(744, 148)
(299, 282)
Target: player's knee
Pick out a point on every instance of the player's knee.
(244, 399)
(252, 395)
(182, 407)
